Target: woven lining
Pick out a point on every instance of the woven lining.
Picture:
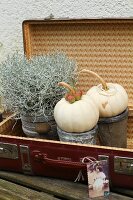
(106, 48)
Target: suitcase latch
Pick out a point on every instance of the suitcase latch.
(123, 165)
(8, 150)
(25, 159)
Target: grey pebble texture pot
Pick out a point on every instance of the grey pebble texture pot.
(31, 126)
(88, 137)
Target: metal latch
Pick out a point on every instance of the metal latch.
(123, 165)
(8, 150)
(25, 159)
(103, 157)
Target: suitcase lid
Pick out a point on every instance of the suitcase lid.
(101, 45)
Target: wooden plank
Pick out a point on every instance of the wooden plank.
(11, 191)
(56, 187)
(59, 188)
(123, 191)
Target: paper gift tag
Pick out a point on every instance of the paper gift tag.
(98, 179)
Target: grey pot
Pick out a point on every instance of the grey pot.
(88, 137)
(39, 127)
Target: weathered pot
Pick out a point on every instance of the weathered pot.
(1, 117)
(112, 131)
(39, 127)
(88, 137)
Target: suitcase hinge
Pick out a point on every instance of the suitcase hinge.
(25, 159)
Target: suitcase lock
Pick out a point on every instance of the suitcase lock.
(8, 150)
(123, 165)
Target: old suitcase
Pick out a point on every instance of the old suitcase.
(102, 45)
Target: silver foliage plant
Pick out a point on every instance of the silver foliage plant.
(30, 87)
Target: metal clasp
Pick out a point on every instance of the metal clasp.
(123, 165)
(103, 157)
(25, 159)
(8, 150)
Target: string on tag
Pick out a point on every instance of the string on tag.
(79, 177)
(86, 160)
(91, 161)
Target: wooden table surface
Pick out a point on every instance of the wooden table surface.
(14, 186)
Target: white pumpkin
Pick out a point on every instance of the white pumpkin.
(79, 116)
(111, 98)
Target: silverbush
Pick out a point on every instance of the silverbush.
(29, 87)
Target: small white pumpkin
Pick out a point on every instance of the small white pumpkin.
(111, 98)
(78, 116)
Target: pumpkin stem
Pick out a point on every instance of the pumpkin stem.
(104, 85)
(67, 86)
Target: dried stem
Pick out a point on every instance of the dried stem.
(104, 85)
(67, 86)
